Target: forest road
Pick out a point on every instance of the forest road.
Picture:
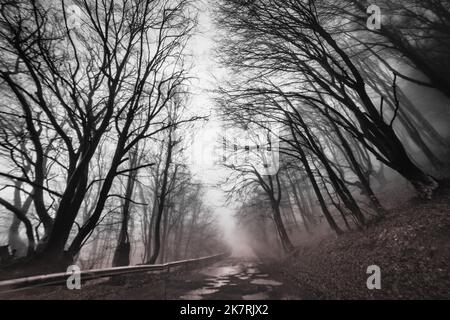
(232, 278)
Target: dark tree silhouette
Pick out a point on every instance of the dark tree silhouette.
(292, 41)
(106, 80)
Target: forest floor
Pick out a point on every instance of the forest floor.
(411, 246)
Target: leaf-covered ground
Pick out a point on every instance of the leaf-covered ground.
(411, 246)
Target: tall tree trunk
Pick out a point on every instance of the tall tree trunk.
(19, 247)
(284, 237)
(28, 226)
(122, 253)
(178, 239)
(195, 213)
(301, 206)
(161, 202)
(164, 246)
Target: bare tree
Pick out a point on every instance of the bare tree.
(417, 32)
(108, 80)
(286, 49)
(246, 175)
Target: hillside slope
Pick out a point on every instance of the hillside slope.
(411, 246)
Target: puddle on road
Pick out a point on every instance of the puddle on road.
(219, 278)
(191, 297)
(266, 282)
(246, 274)
(221, 272)
(217, 283)
(198, 294)
(256, 296)
(252, 270)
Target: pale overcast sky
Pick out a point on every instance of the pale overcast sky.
(205, 148)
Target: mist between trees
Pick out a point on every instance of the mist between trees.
(347, 102)
(95, 111)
